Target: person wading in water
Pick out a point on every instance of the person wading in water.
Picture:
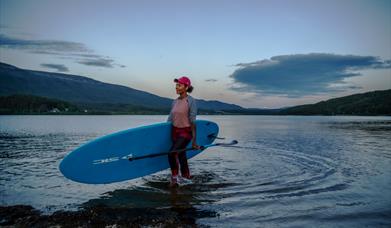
(182, 116)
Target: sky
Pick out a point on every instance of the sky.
(256, 54)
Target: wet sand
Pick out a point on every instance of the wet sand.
(102, 216)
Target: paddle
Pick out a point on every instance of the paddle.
(131, 158)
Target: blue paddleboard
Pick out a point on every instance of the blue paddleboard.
(106, 159)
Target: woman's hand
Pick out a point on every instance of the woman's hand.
(195, 146)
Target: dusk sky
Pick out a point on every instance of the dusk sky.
(259, 54)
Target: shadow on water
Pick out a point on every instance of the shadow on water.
(155, 199)
(153, 203)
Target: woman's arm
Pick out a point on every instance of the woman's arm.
(169, 119)
(192, 110)
(192, 117)
(194, 133)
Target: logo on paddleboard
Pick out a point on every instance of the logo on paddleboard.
(112, 159)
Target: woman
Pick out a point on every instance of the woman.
(182, 116)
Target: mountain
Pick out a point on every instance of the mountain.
(86, 91)
(104, 98)
(370, 103)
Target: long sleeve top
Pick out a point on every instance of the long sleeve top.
(183, 112)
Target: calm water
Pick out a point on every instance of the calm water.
(286, 171)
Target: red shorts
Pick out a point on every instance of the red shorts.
(181, 133)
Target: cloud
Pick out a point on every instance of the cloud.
(58, 67)
(98, 62)
(4, 26)
(42, 45)
(211, 80)
(64, 49)
(302, 74)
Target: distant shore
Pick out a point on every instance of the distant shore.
(377, 103)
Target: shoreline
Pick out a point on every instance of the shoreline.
(103, 216)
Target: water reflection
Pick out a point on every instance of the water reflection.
(155, 194)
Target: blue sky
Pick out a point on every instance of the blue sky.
(251, 53)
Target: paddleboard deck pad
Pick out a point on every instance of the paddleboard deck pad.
(106, 159)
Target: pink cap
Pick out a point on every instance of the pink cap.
(183, 80)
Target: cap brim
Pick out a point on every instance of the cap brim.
(176, 80)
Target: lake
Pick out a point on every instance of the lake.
(286, 171)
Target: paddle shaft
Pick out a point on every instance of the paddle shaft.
(181, 150)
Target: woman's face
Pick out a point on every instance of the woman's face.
(180, 88)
